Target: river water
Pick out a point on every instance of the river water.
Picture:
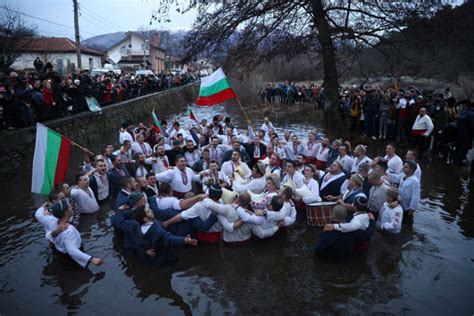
(428, 269)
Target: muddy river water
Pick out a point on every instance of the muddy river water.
(428, 269)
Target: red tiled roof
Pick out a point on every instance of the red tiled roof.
(51, 45)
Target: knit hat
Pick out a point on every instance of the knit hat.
(134, 197)
(361, 203)
(59, 208)
(392, 192)
(361, 147)
(215, 191)
(412, 164)
(357, 178)
(340, 163)
(338, 141)
(273, 177)
(364, 166)
(260, 168)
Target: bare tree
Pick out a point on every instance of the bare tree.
(259, 30)
(12, 29)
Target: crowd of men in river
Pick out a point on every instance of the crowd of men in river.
(211, 182)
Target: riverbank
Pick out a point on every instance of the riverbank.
(88, 127)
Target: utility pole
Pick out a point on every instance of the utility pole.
(78, 37)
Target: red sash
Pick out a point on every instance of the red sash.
(179, 195)
(208, 238)
(310, 160)
(321, 165)
(418, 132)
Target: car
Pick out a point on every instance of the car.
(144, 72)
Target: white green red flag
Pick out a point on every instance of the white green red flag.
(155, 122)
(50, 160)
(191, 115)
(215, 89)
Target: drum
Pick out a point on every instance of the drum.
(319, 214)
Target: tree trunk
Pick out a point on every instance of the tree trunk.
(331, 81)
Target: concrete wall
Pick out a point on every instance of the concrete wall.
(93, 130)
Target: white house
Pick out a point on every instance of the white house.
(139, 50)
(59, 51)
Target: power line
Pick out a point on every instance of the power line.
(100, 18)
(35, 17)
(94, 23)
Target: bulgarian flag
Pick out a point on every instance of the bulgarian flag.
(50, 160)
(154, 121)
(215, 89)
(191, 115)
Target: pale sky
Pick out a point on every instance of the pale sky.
(96, 16)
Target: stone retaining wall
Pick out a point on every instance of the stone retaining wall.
(17, 146)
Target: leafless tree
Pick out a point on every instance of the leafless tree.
(12, 29)
(259, 30)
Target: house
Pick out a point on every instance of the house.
(138, 49)
(176, 66)
(59, 51)
(203, 67)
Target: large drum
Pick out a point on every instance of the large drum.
(319, 214)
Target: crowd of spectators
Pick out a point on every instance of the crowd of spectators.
(424, 119)
(44, 94)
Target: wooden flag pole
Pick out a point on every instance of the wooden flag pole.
(245, 113)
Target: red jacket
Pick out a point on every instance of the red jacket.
(48, 98)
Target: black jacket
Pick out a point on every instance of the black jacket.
(341, 246)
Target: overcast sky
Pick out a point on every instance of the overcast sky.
(96, 16)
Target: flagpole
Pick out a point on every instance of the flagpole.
(243, 110)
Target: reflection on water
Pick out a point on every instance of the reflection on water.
(429, 268)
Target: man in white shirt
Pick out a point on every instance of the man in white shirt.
(257, 182)
(235, 165)
(293, 175)
(267, 125)
(67, 239)
(140, 169)
(83, 195)
(125, 133)
(300, 163)
(180, 178)
(421, 131)
(360, 158)
(215, 151)
(99, 182)
(322, 154)
(394, 163)
(159, 162)
(141, 147)
(344, 158)
(214, 176)
(278, 148)
(293, 149)
(191, 153)
(311, 149)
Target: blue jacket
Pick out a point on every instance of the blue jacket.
(115, 178)
(122, 199)
(95, 189)
(136, 243)
(339, 246)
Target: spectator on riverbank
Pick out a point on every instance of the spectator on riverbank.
(23, 106)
